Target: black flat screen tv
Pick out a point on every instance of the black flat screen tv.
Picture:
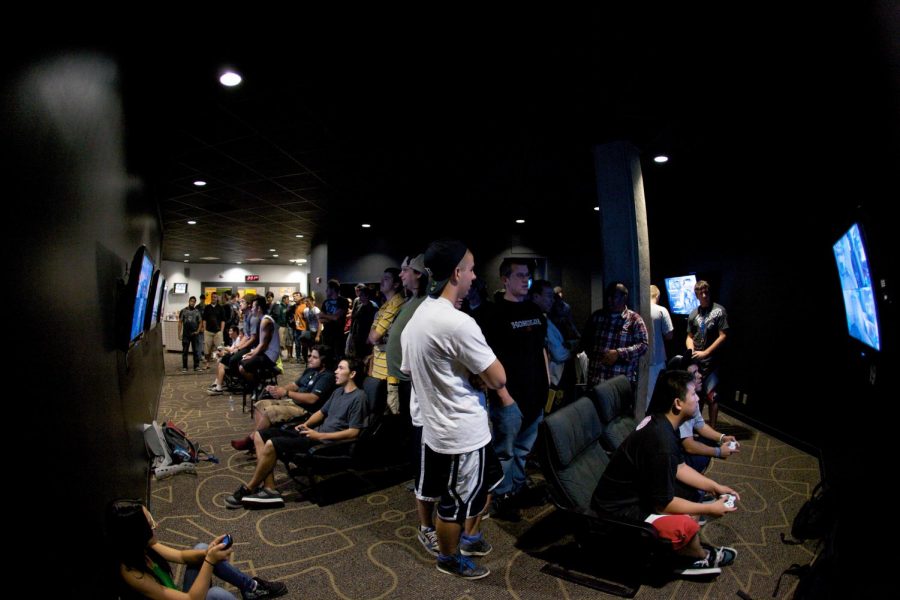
(135, 297)
(682, 299)
(180, 288)
(151, 317)
(856, 286)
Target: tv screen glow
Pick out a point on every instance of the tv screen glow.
(180, 288)
(140, 299)
(856, 285)
(682, 299)
(158, 285)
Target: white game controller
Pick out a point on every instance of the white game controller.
(732, 445)
(729, 500)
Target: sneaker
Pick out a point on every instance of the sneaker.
(428, 539)
(503, 508)
(234, 500)
(716, 558)
(462, 566)
(477, 548)
(264, 498)
(265, 589)
(242, 444)
(215, 392)
(197, 369)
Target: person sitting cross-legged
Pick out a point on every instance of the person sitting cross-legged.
(304, 396)
(341, 418)
(641, 480)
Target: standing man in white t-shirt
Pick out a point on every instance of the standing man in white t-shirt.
(441, 346)
(662, 331)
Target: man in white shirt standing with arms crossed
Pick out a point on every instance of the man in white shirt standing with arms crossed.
(441, 347)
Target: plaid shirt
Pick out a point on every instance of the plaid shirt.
(624, 332)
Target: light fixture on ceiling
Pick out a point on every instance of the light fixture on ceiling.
(274, 256)
(238, 262)
(520, 221)
(187, 260)
(192, 222)
(199, 183)
(366, 225)
(186, 254)
(661, 158)
(299, 235)
(597, 208)
(230, 79)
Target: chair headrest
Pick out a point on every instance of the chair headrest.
(614, 398)
(572, 429)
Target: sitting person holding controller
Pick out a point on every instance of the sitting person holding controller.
(699, 441)
(642, 480)
(144, 561)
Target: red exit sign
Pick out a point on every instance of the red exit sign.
(251, 277)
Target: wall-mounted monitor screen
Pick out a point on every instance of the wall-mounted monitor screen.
(152, 315)
(140, 298)
(682, 299)
(856, 285)
(180, 288)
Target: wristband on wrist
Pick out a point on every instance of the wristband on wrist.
(718, 453)
(721, 437)
(210, 563)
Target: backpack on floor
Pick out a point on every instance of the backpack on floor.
(171, 451)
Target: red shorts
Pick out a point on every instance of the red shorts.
(678, 529)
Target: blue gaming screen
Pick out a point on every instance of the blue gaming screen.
(140, 299)
(856, 285)
(682, 299)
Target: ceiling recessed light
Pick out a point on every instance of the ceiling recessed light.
(274, 256)
(192, 222)
(238, 262)
(209, 258)
(187, 254)
(271, 249)
(187, 261)
(597, 208)
(254, 259)
(301, 260)
(366, 225)
(299, 235)
(199, 183)
(230, 79)
(520, 221)
(661, 158)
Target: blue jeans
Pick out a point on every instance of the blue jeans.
(187, 341)
(223, 570)
(512, 441)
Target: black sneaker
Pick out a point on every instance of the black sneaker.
(264, 498)
(504, 508)
(462, 566)
(716, 558)
(265, 589)
(479, 547)
(234, 500)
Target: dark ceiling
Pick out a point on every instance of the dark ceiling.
(481, 119)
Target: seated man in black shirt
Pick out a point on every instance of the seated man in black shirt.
(303, 397)
(342, 418)
(640, 482)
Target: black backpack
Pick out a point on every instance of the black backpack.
(817, 516)
(181, 448)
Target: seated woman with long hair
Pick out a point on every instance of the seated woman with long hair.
(144, 562)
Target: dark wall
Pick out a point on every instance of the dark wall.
(79, 224)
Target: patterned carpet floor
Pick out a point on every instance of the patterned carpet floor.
(363, 546)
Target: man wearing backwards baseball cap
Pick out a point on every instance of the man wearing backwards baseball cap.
(441, 346)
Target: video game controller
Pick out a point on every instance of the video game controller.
(732, 445)
(729, 500)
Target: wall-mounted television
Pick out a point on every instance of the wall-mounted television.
(135, 297)
(682, 299)
(151, 318)
(856, 286)
(180, 288)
